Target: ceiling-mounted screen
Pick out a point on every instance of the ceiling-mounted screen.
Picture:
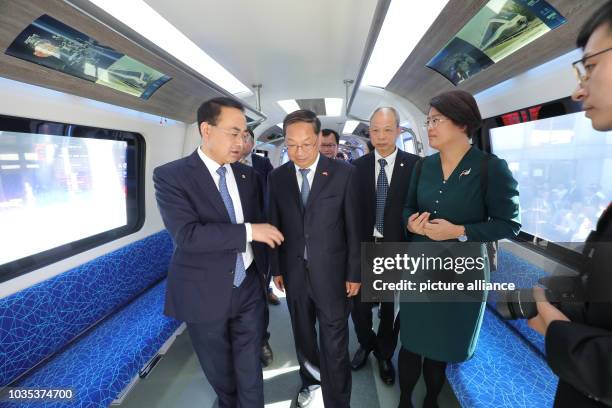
(53, 44)
(499, 29)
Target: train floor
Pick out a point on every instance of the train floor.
(178, 382)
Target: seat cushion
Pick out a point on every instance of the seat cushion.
(99, 365)
(38, 321)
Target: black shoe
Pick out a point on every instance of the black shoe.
(360, 358)
(266, 354)
(387, 372)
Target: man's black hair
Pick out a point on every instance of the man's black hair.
(210, 110)
(327, 132)
(602, 16)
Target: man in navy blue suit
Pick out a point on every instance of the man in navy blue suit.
(312, 202)
(211, 206)
(262, 167)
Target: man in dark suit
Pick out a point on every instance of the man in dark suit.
(312, 202)
(383, 177)
(211, 207)
(579, 342)
(262, 167)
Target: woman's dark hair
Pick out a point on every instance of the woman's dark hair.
(602, 16)
(460, 107)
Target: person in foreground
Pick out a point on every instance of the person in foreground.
(211, 207)
(312, 202)
(579, 342)
(459, 194)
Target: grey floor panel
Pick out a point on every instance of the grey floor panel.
(178, 382)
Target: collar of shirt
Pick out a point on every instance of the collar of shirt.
(248, 159)
(212, 167)
(388, 168)
(311, 173)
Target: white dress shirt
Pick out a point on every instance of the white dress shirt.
(309, 176)
(232, 187)
(388, 171)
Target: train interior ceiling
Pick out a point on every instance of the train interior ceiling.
(135, 73)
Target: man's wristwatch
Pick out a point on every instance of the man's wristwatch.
(462, 237)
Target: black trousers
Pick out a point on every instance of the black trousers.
(332, 360)
(385, 340)
(229, 349)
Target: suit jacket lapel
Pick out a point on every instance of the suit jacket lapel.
(241, 181)
(400, 169)
(205, 182)
(321, 178)
(370, 182)
(292, 184)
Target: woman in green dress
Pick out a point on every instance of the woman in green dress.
(445, 202)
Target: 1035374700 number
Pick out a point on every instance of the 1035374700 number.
(46, 394)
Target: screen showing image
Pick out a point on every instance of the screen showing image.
(54, 45)
(560, 164)
(56, 190)
(499, 29)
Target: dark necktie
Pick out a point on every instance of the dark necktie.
(305, 191)
(382, 187)
(239, 272)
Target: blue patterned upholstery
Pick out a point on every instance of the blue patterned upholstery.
(508, 368)
(37, 322)
(504, 372)
(100, 364)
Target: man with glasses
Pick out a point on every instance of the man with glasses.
(211, 206)
(579, 342)
(312, 202)
(383, 178)
(328, 147)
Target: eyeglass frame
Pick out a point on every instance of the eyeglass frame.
(433, 122)
(231, 133)
(583, 78)
(303, 147)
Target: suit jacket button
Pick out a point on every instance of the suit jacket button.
(231, 271)
(307, 236)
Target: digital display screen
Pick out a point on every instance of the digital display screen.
(499, 29)
(50, 43)
(561, 165)
(56, 190)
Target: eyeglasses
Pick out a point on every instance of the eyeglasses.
(583, 70)
(433, 123)
(377, 131)
(305, 147)
(234, 133)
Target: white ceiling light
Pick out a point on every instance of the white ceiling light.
(333, 106)
(140, 17)
(349, 126)
(289, 105)
(405, 24)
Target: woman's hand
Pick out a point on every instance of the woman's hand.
(416, 223)
(442, 230)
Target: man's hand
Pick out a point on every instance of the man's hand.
(416, 222)
(547, 313)
(267, 234)
(278, 282)
(352, 288)
(441, 230)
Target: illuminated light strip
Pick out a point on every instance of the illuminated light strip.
(143, 19)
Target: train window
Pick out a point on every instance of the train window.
(65, 189)
(499, 29)
(54, 45)
(560, 163)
